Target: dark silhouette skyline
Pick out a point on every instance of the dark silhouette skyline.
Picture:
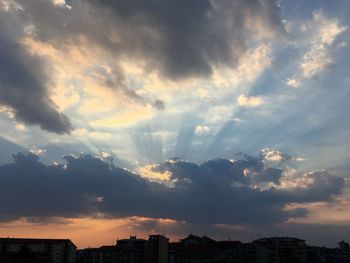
(158, 249)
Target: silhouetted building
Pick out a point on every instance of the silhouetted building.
(88, 255)
(30, 250)
(280, 250)
(204, 249)
(157, 251)
(329, 255)
(344, 246)
(316, 254)
(342, 253)
(108, 254)
(195, 249)
(131, 250)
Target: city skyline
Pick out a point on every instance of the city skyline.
(226, 118)
(158, 249)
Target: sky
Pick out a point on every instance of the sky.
(226, 118)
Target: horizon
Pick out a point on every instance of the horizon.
(225, 117)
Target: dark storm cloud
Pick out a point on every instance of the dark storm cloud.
(23, 81)
(176, 38)
(188, 38)
(215, 192)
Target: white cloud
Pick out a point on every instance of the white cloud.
(317, 59)
(325, 31)
(328, 29)
(61, 3)
(21, 126)
(105, 155)
(250, 101)
(9, 5)
(274, 155)
(202, 130)
(321, 33)
(251, 66)
(293, 82)
(342, 44)
(203, 93)
(278, 156)
(37, 150)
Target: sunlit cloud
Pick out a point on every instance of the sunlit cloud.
(274, 155)
(249, 69)
(323, 32)
(295, 83)
(9, 5)
(202, 130)
(151, 173)
(250, 101)
(324, 213)
(61, 3)
(21, 127)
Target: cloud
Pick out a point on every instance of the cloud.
(218, 191)
(251, 65)
(319, 56)
(278, 158)
(188, 38)
(9, 5)
(115, 78)
(323, 31)
(61, 3)
(201, 130)
(176, 40)
(250, 101)
(274, 155)
(158, 104)
(21, 127)
(24, 81)
(293, 82)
